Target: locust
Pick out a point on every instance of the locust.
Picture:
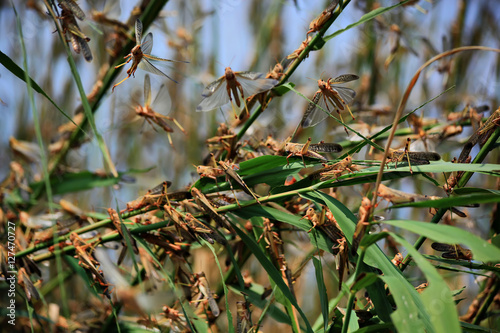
(209, 209)
(230, 172)
(86, 260)
(243, 317)
(70, 11)
(205, 293)
(453, 251)
(141, 56)
(310, 150)
(122, 230)
(330, 97)
(334, 170)
(415, 158)
(324, 221)
(319, 21)
(24, 281)
(363, 223)
(147, 111)
(234, 85)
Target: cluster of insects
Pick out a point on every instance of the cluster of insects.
(196, 215)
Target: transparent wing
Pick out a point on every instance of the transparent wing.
(152, 57)
(146, 65)
(344, 78)
(147, 90)
(346, 94)
(162, 102)
(251, 75)
(147, 44)
(254, 83)
(215, 95)
(212, 87)
(138, 32)
(314, 114)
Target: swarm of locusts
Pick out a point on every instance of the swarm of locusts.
(246, 197)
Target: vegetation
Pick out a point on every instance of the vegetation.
(389, 223)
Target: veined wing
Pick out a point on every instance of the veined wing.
(74, 8)
(146, 65)
(214, 95)
(147, 91)
(326, 147)
(87, 53)
(314, 114)
(147, 44)
(147, 47)
(344, 78)
(138, 32)
(162, 101)
(346, 94)
(253, 83)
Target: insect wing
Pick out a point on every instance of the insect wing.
(346, 94)
(314, 113)
(138, 33)
(147, 91)
(253, 83)
(162, 100)
(326, 147)
(344, 78)
(87, 53)
(429, 156)
(215, 95)
(146, 65)
(147, 44)
(74, 8)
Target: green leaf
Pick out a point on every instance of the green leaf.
(364, 281)
(318, 239)
(320, 282)
(228, 311)
(454, 201)
(437, 297)
(20, 73)
(283, 89)
(365, 18)
(481, 249)
(392, 276)
(81, 181)
(73, 264)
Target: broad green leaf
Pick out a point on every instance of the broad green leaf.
(437, 297)
(81, 181)
(377, 328)
(481, 249)
(406, 318)
(364, 281)
(375, 257)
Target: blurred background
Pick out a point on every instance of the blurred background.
(250, 35)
